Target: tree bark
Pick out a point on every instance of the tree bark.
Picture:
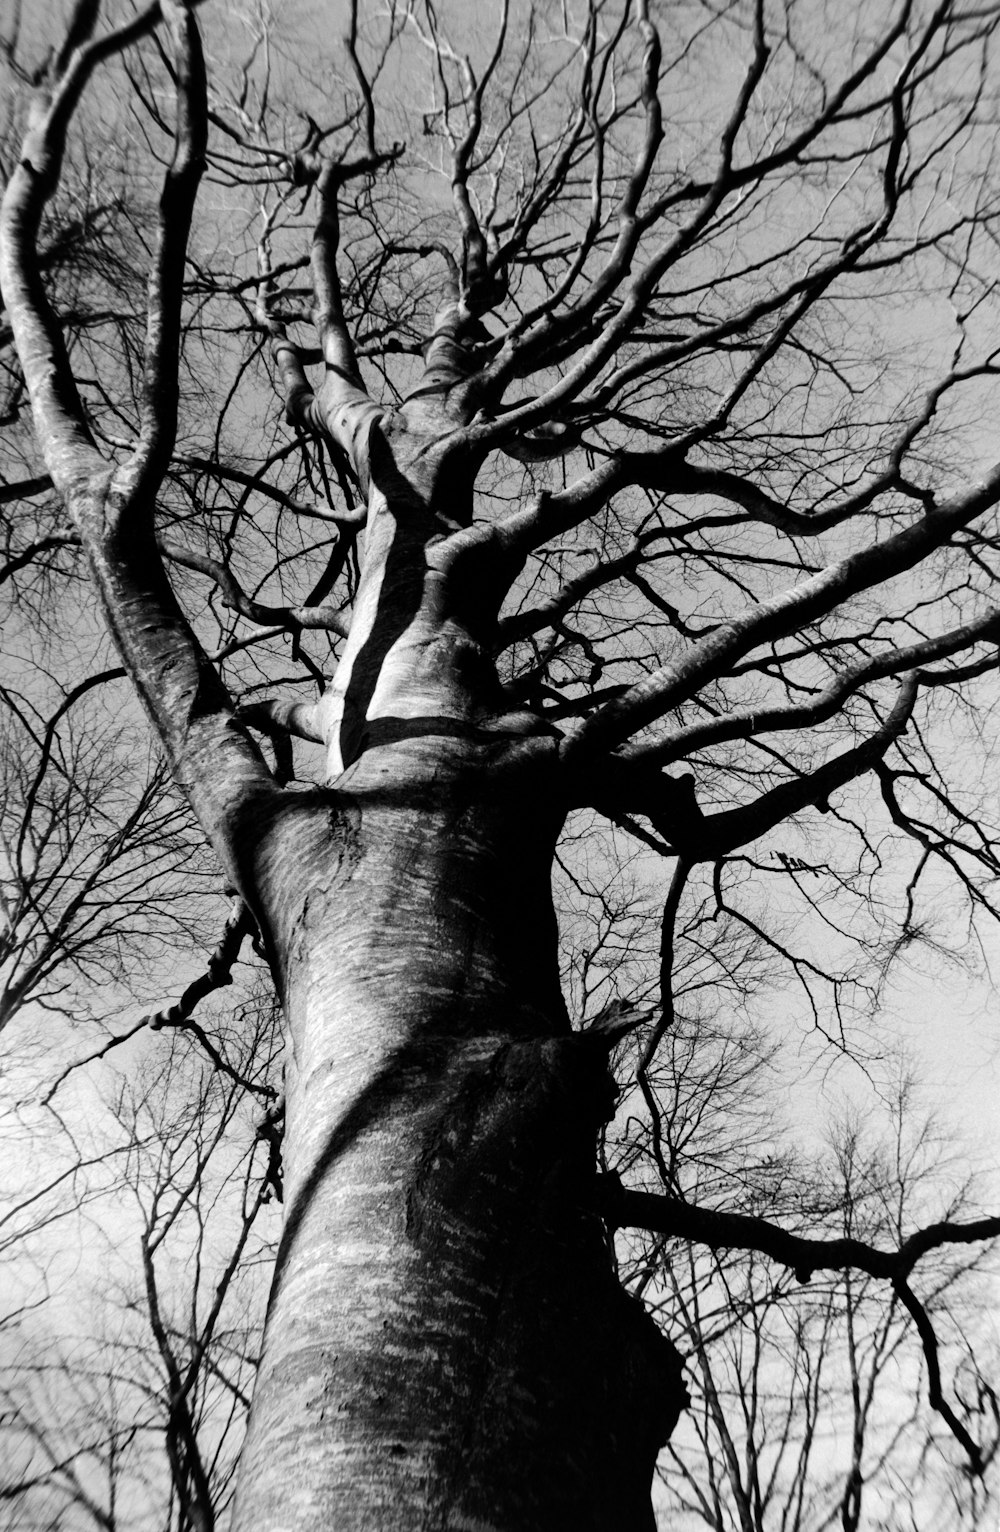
(447, 1344)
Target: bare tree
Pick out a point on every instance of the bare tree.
(806, 1401)
(623, 361)
(99, 870)
(131, 1414)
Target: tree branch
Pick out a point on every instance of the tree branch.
(234, 596)
(716, 1230)
(160, 390)
(667, 748)
(776, 617)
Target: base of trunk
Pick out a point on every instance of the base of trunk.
(462, 1355)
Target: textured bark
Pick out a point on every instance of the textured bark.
(447, 1345)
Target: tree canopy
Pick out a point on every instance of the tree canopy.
(608, 387)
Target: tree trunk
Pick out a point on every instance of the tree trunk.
(447, 1345)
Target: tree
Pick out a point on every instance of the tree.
(131, 1412)
(805, 1411)
(97, 870)
(639, 361)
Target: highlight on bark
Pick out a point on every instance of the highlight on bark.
(604, 477)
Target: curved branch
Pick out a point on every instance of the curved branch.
(216, 763)
(775, 618)
(234, 596)
(667, 748)
(29, 554)
(719, 834)
(161, 359)
(935, 1394)
(354, 517)
(667, 1013)
(717, 1230)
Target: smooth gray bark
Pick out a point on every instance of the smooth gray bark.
(447, 1344)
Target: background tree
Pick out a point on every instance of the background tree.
(100, 873)
(806, 1401)
(622, 361)
(128, 1412)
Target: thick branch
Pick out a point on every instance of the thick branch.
(160, 392)
(718, 1230)
(738, 1231)
(212, 761)
(773, 619)
(718, 834)
(678, 743)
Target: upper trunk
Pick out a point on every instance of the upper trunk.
(414, 661)
(447, 1345)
